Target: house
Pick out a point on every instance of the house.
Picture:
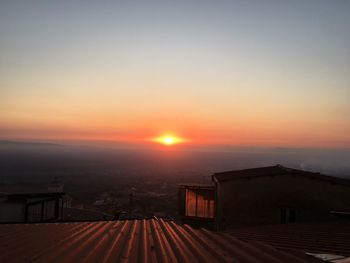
(267, 196)
(31, 202)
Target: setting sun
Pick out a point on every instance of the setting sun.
(168, 140)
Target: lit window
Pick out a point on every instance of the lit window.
(200, 203)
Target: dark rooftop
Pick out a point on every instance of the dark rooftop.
(276, 170)
(332, 238)
(25, 188)
(197, 186)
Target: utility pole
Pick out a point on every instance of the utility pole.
(131, 199)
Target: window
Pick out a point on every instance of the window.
(200, 203)
(34, 213)
(49, 210)
(41, 210)
(288, 215)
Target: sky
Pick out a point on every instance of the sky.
(258, 73)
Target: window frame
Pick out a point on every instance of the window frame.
(196, 191)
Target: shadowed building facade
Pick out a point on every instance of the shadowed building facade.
(267, 196)
(21, 203)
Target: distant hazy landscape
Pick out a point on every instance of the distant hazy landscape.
(92, 173)
(41, 161)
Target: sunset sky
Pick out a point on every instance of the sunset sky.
(260, 73)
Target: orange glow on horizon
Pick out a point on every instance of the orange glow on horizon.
(168, 140)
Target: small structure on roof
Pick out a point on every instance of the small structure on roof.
(263, 196)
(31, 202)
(277, 194)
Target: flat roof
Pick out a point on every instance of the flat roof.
(25, 189)
(197, 186)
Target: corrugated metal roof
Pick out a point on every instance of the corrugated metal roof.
(131, 241)
(276, 170)
(332, 238)
(26, 189)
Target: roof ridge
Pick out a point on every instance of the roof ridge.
(253, 168)
(275, 171)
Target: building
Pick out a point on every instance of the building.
(266, 196)
(133, 241)
(30, 203)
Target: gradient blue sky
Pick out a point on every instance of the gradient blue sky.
(238, 72)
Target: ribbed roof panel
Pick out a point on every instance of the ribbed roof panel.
(332, 238)
(131, 241)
